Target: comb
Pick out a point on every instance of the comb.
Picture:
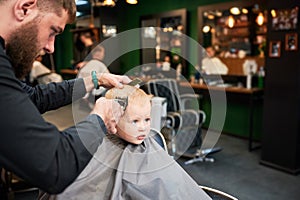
(135, 82)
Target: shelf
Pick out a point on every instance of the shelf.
(236, 35)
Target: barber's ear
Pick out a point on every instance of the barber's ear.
(24, 8)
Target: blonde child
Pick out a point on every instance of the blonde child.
(131, 164)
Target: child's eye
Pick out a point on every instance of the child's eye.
(147, 119)
(135, 121)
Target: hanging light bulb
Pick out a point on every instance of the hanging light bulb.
(245, 11)
(132, 1)
(206, 29)
(230, 21)
(235, 11)
(260, 19)
(109, 2)
(273, 13)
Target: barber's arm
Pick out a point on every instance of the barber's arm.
(37, 151)
(55, 95)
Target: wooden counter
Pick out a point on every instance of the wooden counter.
(235, 65)
(226, 89)
(68, 73)
(243, 113)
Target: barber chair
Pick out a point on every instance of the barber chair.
(213, 193)
(217, 194)
(183, 125)
(159, 138)
(11, 184)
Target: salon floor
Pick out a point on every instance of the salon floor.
(235, 171)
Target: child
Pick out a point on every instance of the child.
(131, 164)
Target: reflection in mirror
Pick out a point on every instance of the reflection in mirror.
(236, 30)
(162, 34)
(230, 30)
(109, 30)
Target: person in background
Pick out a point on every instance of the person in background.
(212, 64)
(31, 148)
(166, 65)
(85, 43)
(94, 62)
(40, 74)
(137, 166)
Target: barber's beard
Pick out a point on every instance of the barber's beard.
(22, 48)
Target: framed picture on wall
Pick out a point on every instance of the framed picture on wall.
(285, 19)
(291, 42)
(274, 49)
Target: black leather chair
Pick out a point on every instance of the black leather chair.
(213, 193)
(183, 127)
(12, 184)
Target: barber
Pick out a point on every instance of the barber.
(31, 148)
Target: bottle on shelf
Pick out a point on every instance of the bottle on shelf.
(249, 81)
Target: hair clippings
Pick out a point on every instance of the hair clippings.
(122, 101)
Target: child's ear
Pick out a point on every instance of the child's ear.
(24, 8)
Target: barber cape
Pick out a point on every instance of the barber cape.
(42, 74)
(120, 170)
(214, 66)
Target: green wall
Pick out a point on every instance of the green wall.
(237, 120)
(131, 19)
(64, 49)
(128, 17)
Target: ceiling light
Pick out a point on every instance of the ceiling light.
(219, 13)
(260, 19)
(273, 13)
(210, 16)
(110, 3)
(235, 11)
(244, 11)
(206, 29)
(132, 1)
(230, 21)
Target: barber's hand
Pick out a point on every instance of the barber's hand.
(109, 80)
(106, 80)
(110, 112)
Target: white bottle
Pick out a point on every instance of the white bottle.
(249, 81)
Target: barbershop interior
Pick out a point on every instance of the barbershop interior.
(224, 80)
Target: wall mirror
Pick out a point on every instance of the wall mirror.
(162, 44)
(236, 29)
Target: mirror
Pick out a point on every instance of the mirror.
(237, 30)
(162, 44)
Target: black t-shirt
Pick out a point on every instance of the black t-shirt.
(30, 147)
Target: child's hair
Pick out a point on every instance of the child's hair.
(133, 95)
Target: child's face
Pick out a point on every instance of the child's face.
(134, 125)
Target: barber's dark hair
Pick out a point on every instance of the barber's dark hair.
(56, 7)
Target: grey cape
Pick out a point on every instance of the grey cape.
(120, 170)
